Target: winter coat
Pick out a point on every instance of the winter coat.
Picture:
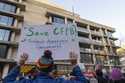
(116, 76)
(99, 77)
(43, 78)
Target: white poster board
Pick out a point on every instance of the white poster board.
(61, 39)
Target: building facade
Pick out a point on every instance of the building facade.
(95, 40)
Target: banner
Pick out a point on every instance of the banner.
(61, 39)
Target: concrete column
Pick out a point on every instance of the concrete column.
(5, 70)
(104, 43)
(9, 54)
(94, 56)
(50, 19)
(107, 49)
(65, 20)
(92, 47)
(20, 1)
(103, 40)
(74, 21)
(109, 43)
(106, 31)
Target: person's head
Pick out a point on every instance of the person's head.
(104, 71)
(98, 67)
(115, 74)
(76, 71)
(73, 58)
(48, 53)
(82, 67)
(45, 63)
(73, 61)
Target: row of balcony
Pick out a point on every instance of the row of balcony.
(9, 43)
(7, 60)
(95, 42)
(83, 30)
(11, 28)
(80, 29)
(101, 52)
(88, 41)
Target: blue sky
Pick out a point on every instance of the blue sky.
(107, 12)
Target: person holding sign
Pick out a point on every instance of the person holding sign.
(44, 67)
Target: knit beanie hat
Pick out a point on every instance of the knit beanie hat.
(45, 62)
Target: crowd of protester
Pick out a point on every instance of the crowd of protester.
(43, 72)
(101, 75)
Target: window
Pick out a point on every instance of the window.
(80, 34)
(56, 19)
(3, 51)
(69, 21)
(93, 28)
(114, 60)
(86, 58)
(1, 70)
(4, 34)
(6, 20)
(82, 25)
(109, 50)
(98, 48)
(109, 33)
(101, 59)
(96, 38)
(7, 7)
(85, 48)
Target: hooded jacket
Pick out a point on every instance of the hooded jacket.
(100, 78)
(116, 74)
(43, 78)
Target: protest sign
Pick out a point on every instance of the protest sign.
(61, 39)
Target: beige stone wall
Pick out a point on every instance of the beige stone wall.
(34, 14)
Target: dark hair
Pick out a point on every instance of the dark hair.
(48, 53)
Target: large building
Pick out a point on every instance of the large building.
(95, 40)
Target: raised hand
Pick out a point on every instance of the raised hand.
(23, 58)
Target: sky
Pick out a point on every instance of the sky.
(107, 12)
